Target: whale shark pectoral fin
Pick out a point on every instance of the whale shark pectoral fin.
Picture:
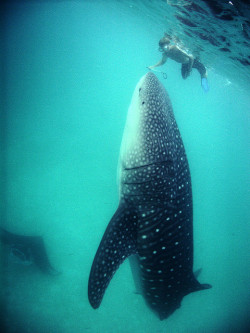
(118, 243)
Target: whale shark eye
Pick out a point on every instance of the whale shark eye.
(143, 103)
(139, 89)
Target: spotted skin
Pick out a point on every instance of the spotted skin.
(155, 214)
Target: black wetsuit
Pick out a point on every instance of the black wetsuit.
(196, 64)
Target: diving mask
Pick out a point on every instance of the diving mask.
(164, 48)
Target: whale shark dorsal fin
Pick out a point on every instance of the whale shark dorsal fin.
(118, 243)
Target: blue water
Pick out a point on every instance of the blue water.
(70, 68)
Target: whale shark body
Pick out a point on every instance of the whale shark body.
(154, 219)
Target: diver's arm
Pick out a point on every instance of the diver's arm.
(161, 62)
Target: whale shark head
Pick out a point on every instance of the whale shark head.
(154, 218)
(149, 112)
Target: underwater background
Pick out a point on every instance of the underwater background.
(69, 71)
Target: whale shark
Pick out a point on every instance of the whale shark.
(153, 224)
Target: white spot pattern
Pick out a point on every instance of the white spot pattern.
(156, 193)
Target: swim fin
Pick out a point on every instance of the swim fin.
(204, 84)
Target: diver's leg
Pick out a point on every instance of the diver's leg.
(203, 73)
(200, 68)
(184, 71)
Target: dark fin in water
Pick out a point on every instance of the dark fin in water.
(197, 286)
(206, 285)
(118, 243)
(197, 272)
(201, 285)
(28, 249)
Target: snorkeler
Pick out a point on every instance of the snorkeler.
(188, 61)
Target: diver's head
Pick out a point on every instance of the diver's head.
(163, 44)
